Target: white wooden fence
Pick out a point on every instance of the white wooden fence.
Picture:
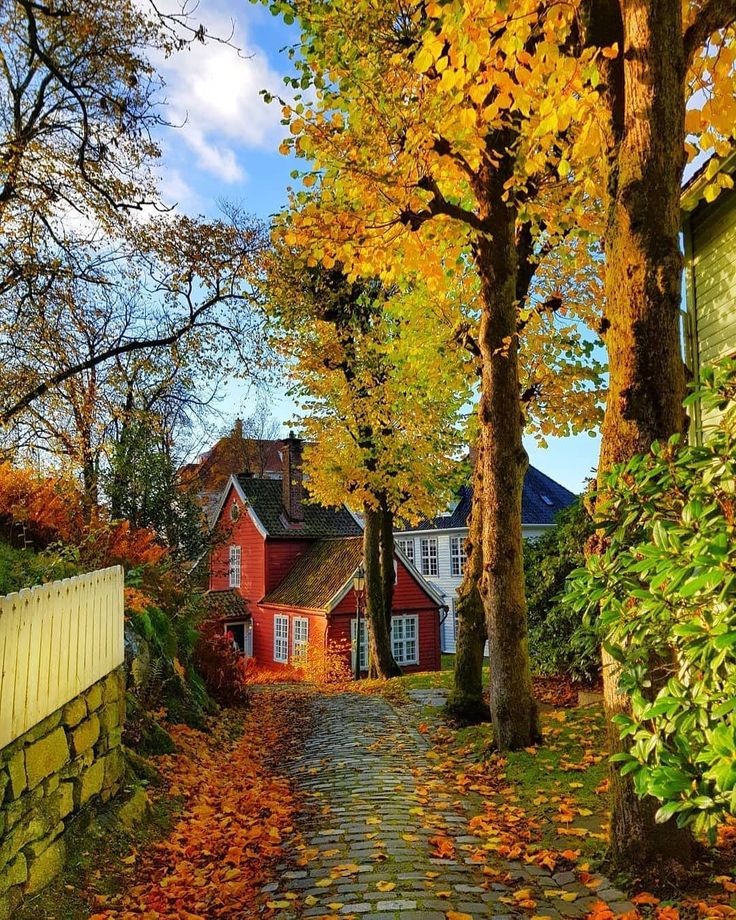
(55, 641)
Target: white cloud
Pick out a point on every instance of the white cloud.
(214, 90)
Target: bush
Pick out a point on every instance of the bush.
(665, 586)
(221, 666)
(558, 641)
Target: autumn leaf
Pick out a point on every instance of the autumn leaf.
(385, 886)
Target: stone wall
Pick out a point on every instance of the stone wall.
(71, 759)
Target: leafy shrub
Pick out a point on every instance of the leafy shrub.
(558, 641)
(665, 585)
(222, 668)
(23, 568)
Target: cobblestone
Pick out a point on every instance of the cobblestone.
(362, 846)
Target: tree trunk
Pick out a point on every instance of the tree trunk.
(641, 327)
(381, 659)
(504, 463)
(388, 570)
(465, 701)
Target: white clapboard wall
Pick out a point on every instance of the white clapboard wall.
(55, 641)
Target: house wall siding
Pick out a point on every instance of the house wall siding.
(429, 645)
(445, 582)
(712, 256)
(280, 559)
(243, 533)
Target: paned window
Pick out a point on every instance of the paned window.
(234, 568)
(300, 638)
(404, 636)
(407, 548)
(281, 639)
(430, 563)
(363, 644)
(457, 555)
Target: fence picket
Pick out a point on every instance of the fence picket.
(57, 640)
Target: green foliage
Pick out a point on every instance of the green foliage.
(23, 568)
(559, 643)
(143, 488)
(665, 585)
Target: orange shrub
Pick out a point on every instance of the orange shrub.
(50, 507)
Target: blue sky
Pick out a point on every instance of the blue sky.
(225, 148)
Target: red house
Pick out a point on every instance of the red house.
(281, 573)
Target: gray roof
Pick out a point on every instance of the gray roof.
(264, 496)
(541, 500)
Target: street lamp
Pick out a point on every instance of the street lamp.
(358, 587)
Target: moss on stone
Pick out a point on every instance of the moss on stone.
(85, 735)
(74, 711)
(17, 774)
(135, 810)
(46, 756)
(94, 697)
(48, 865)
(15, 873)
(90, 782)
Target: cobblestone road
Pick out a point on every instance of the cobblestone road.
(368, 834)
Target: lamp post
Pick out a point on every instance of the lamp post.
(358, 586)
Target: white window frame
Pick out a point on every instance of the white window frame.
(430, 557)
(299, 638)
(458, 557)
(281, 639)
(363, 643)
(400, 640)
(406, 545)
(235, 565)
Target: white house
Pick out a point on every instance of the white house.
(436, 547)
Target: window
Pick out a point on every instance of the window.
(407, 548)
(429, 556)
(363, 644)
(457, 555)
(234, 511)
(404, 638)
(234, 567)
(300, 638)
(281, 639)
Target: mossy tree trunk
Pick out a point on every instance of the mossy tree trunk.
(380, 654)
(645, 95)
(503, 462)
(465, 701)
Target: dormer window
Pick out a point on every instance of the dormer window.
(546, 499)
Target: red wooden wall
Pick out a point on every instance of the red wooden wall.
(243, 533)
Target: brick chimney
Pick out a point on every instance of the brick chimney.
(292, 484)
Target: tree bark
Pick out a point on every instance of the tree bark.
(645, 94)
(465, 701)
(388, 570)
(380, 654)
(504, 463)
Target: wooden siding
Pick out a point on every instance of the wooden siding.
(57, 640)
(429, 636)
(446, 583)
(711, 255)
(245, 534)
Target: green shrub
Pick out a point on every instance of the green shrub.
(558, 642)
(23, 568)
(665, 586)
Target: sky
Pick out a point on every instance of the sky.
(223, 146)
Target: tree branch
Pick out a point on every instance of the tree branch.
(715, 15)
(438, 205)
